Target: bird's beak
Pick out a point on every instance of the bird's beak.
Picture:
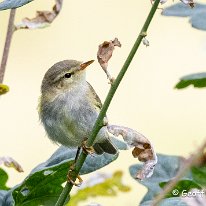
(85, 64)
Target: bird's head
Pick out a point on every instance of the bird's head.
(64, 75)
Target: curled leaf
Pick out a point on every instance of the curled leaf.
(10, 162)
(143, 149)
(42, 19)
(104, 54)
(3, 89)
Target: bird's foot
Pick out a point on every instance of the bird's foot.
(86, 149)
(69, 178)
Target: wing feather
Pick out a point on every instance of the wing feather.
(95, 98)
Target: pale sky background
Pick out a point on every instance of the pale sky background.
(173, 120)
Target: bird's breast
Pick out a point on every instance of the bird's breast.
(69, 118)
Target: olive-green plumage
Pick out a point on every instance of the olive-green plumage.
(69, 107)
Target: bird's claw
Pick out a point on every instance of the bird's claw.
(86, 149)
(69, 178)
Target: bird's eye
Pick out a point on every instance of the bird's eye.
(67, 75)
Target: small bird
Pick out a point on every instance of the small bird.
(69, 107)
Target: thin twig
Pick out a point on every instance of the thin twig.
(193, 160)
(114, 86)
(7, 44)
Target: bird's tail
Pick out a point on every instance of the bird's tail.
(105, 146)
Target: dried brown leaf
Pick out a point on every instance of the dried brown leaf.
(143, 149)
(10, 162)
(42, 19)
(105, 52)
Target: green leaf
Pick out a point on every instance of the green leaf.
(198, 20)
(182, 10)
(182, 185)
(12, 4)
(44, 184)
(197, 15)
(164, 171)
(199, 175)
(3, 187)
(197, 80)
(2, 195)
(41, 187)
(3, 180)
(109, 187)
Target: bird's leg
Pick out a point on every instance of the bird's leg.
(71, 169)
(77, 155)
(86, 149)
(69, 179)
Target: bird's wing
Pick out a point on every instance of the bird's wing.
(94, 97)
(105, 145)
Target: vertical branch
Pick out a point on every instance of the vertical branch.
(114, 86)
(7, 44)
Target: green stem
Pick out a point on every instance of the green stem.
(98, 123)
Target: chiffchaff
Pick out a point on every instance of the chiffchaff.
(69, 107)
